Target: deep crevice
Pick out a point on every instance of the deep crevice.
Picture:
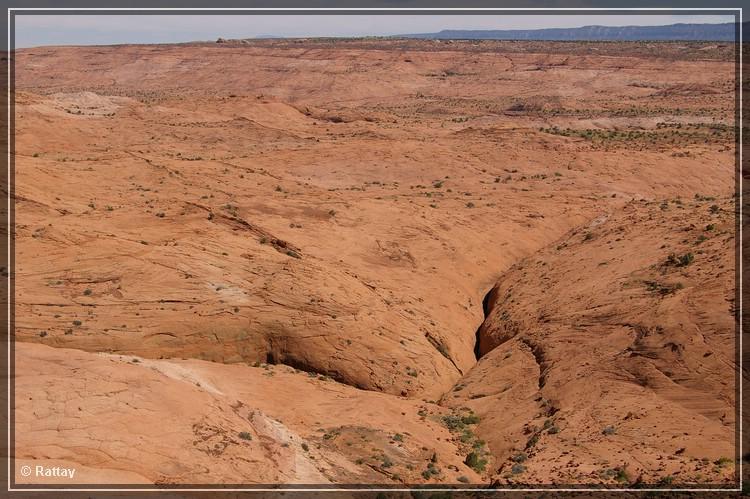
(486, 309)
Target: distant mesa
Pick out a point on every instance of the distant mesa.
(725, 32)
(248, 40)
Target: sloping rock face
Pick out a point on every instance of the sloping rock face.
(623, 333)
(267, 244)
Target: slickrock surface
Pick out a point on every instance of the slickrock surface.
(271, 261)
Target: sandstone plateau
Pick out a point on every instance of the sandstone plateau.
(376, 262)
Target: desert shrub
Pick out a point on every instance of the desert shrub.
(665, 480)
(453, 422)
(723, 461)
(680, 261)
(621, 475)
(475, 462)
(662, 288)
(532, 441)
(470, 419)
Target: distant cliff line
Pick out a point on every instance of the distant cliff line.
(725, 32)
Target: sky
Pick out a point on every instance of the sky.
(37, 30)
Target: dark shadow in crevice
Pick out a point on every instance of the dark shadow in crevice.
(486, 308)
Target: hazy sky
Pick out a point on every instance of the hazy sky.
(35, 30)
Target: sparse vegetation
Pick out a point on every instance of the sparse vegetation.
(618, 474)
(470, 419)
(293, 253)
(681, 260)
(723, 461)
(426, 274)
(663, 288)
(517, 469)
(666, 135)
(431, 471)
(475, 462)
(665, 481)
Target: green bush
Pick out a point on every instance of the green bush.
(680, 261)
(470, 419)
(475, 462)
